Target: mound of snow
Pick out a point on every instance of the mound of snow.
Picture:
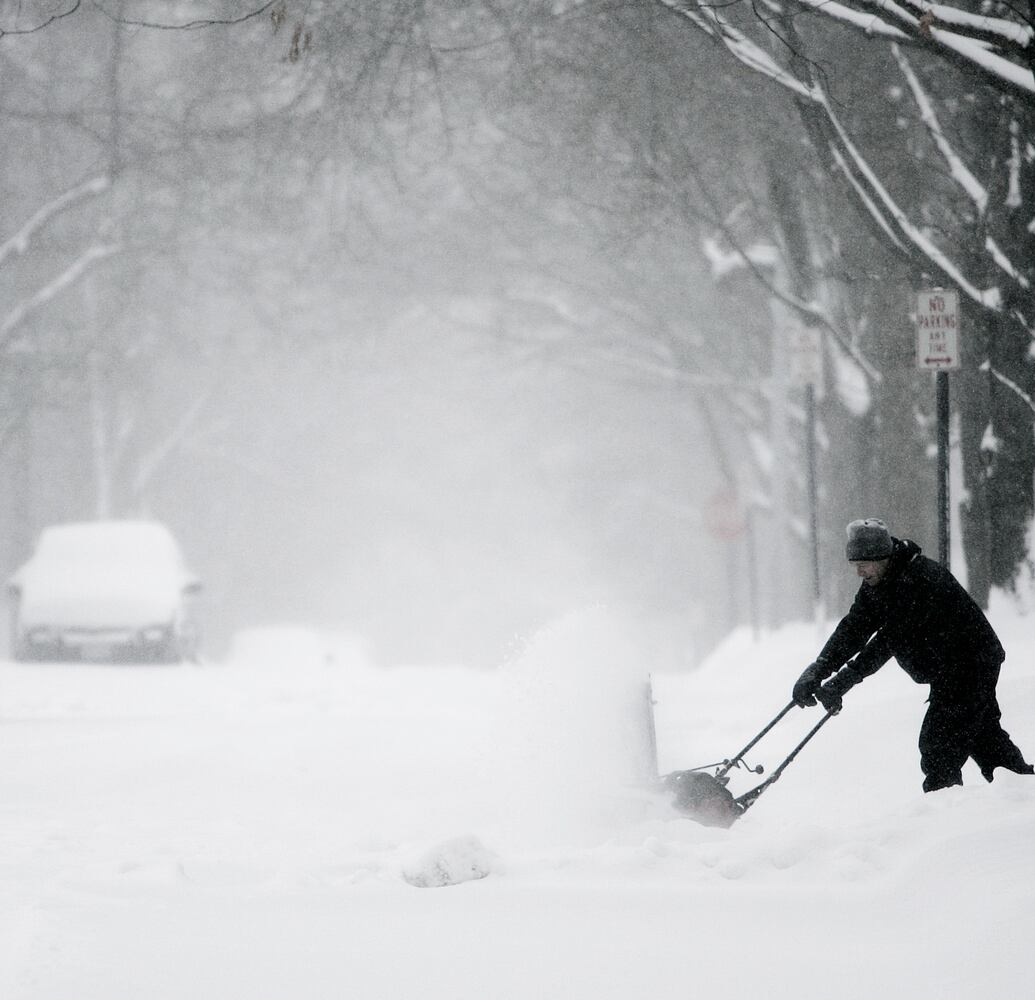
(459, 859)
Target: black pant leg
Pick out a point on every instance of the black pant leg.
(944, 740)
(992, 746)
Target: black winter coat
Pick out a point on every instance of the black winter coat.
(922, 616)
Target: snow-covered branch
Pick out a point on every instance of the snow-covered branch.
(1003, 262)
(1011, 385)
(810, 312)
(52, 289)
(19, 242)
(896, 218)
(872, 193)
(868, 203)
(711, 21)
(995, 48)
(958, 170)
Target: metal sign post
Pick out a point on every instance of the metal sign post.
(937, 350)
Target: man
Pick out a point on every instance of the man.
(912, 608)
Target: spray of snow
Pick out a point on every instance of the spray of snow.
(570, 738)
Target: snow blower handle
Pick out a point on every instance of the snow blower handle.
(746, 800)
(727, 765)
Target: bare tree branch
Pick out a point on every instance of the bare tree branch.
(154, 459)
(205, 22)
(46, 22)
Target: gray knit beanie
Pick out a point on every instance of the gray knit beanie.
(868, 540)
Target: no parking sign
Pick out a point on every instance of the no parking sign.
(937, 330)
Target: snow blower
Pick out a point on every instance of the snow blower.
(707, 799)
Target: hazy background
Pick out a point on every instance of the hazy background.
(367, 342)
(437, 321)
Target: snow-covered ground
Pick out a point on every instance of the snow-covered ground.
(262, 829)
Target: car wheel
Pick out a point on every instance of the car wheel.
(30, 652)
(22, 652)
(167, 651)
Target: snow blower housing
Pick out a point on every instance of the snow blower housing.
(706, 798)
(703, 797)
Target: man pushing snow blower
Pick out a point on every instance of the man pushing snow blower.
(912, 608)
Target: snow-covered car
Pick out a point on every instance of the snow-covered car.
(105, 589)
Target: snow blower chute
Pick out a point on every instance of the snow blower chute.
(705, 798)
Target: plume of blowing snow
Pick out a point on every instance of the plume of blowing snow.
(572, 737)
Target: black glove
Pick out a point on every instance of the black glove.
(831, 693)
(807, 686)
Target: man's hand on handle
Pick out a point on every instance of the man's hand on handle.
(807, 686)
(814, 686)
(831, 693)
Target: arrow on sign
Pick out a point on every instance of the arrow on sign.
(937, 329)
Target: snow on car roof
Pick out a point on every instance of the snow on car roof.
(107, 538)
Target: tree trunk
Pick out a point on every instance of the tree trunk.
(972, 403)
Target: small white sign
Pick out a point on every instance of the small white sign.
(937, 330)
